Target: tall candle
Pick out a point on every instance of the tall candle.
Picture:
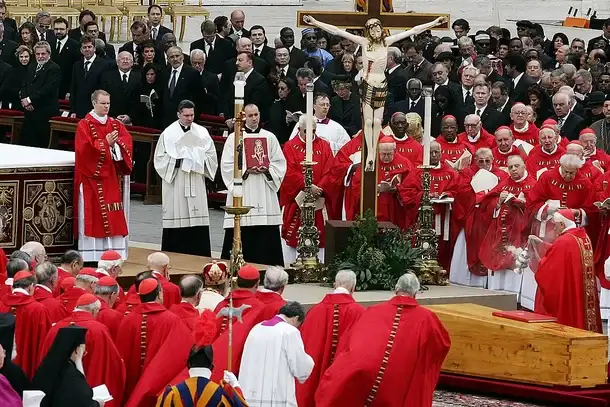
(309, 128)
(427, 123)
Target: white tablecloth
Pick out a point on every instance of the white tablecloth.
(14, 156)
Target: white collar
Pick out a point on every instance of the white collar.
(265, 290)
(475, 138)
(446, 83)
(552, 152)
(592, 153)
(340, 290)
(564, 118)
(518, 78)
(260, 47)
(9, 282)
(416, 101)
(246, 74)
(482, 109)
(101, 119)
(465, 91)
(44, 287)
(392, 69)
(507, 153)
(504, 105)
(125, 73)
(20, 290)
(63, 41)
(179, 69)
(200, 372)
(523, 129)
(523, 177)
(90, 60)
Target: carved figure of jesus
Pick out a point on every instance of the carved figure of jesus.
(374, 87)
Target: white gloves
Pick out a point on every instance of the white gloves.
(231, 379)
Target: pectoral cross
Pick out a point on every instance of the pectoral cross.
(195, 210)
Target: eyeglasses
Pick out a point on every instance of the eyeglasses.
(471, 125)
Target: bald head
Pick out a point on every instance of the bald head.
(575, 149)
(190, 288)
(36, 251)
(158, 262)
(243, 45)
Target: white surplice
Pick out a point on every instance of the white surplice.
(258, 191)
(274, 356)
(185, 202)
(460, 274)
(332, 132)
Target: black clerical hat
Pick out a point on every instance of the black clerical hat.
(201, 356)
(7, 333)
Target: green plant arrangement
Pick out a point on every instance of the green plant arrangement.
(378, 257)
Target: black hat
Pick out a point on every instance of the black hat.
(7, 334)
(201, 356)
(443, 56)
(525, 23)
(596, 98)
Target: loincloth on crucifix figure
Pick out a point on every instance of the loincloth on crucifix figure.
(373, 91)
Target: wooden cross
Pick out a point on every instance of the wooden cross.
(357, 20)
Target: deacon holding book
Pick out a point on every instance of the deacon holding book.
(104, 161)
(264, 167)
(184, 157)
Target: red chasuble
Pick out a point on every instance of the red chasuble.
(171, 292)
(410, 149)
(486, 140)
(451, 151)
(241, 296)
(294, 182)
(132, 301)
(529, 136)
(154, 344)
(102, 363)
(56, 311)
(602, 248)
(566, 281)
(538, 159)
(110, 318)
(3, 263)
(100, 176)
(590, 171)
(509, 224)
(187, 313)
(272, 302)
(416, 343)
(61, 274)
(602, 157)
(326, 324)
(500, 158)
(32, 326)
(69, 298)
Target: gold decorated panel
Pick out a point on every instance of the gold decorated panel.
(9, 194)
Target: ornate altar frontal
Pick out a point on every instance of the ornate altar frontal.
(36, 190)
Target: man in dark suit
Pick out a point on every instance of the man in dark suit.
(259, 45)
(230, 67)
(168, 41)
(179, 82)
(413, 104)
(282, 64)
(43, 26)
(8, 22)
(155, 18)
(39, 97)
(605, 37)
(86, 77)
(84, 17)
(440, 77)
(256, 90)
(520, 82)
(7, 48)
(93, 30)
(570, 124)
(396, 75)
(483, 64)
(297, 56)
(139, 33)
(210, 83)
(491, 119)
(345, 107)
(238, 18)
(417, 66)
(217, 49)
(123, 85)
(501, 101)
(65, 52)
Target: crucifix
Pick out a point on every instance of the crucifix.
(373, 89)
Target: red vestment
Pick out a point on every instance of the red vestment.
(241, 297)
(171, 292)
(32, 325)
(410, 149)
(272, 302)
(154, 344)
(509, 224)
(416, 343)
(187, 313)
(500, 158)
(590, 171)
(452, 151)
(100, 176)
(538, 159)
(110, 318)
(485, 140)
(69, 298)
(530, 135)
(102, 363)
(3, 263)
(56, 311)
(132, 301)
(61, 274)
(602, 248)
(327, 323)
(294, 183)
(602, 157)
(566, 281)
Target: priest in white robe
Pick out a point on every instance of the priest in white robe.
(184, 157)
(264, 167)
(274, 356)
(327, 129)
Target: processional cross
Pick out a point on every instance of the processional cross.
(373, 20)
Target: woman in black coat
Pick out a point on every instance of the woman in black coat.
(290, 100)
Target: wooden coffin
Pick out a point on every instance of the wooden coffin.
(540, 353)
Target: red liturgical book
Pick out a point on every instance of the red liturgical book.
(524, 316)
(256, 152)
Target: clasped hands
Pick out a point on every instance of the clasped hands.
(27, 105)
(255, 170)
(112, 137)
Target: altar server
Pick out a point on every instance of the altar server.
(263, 172)
(103, 163)
(184, 156)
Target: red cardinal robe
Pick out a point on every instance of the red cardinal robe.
(61, 274)
(187, 313)
(601, 157)
(500, 158)
(272, 302)
(452, 151)
(102, 363)
(327, 323)
(110, 318)
(565, 275)
(294, 183)
(132, 301)
(389, 206)
(171, 292)
(417, 344)
(444, 181)
(154, 344)
(410, 149)
(529, 134)
(240, 297)
(602, 248)
(69, 298)
(538, 159)
(56, 311)
(3, 263)
(509, 225)
(485, 140)
(32, 325)
(590, 171)
(100, 177)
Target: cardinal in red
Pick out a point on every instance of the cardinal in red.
(103, 150)
(505, 148)
(84, 283)
(270, 294)
(598, 157)
(107, 291)
(546, 154)
(602, 249)
(406, 146)
(521, 128)
(396, 367)
(451, 147)
(327, 324)
(509, 226)
(293, 187)
(102, 362)
(475, 136)
(566, 276)
(589, 170)
(32, 324)
(3, 263)
(70, 264)
(111, 264)
(190, 290)
(154, 344)
(133, 299)
(158, 263)
(46, 276)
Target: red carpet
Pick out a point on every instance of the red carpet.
(556, 396)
